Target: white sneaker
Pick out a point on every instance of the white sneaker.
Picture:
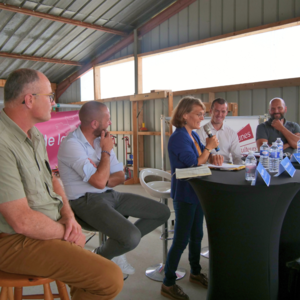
(95, 250)
(123, 264)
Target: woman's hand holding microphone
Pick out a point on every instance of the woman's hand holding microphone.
(212, 143)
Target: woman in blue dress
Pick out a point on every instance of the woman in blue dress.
(186, 150)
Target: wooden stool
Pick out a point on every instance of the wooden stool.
(8, 281)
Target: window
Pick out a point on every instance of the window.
(117, 79)
(260, 57)
(87, 86)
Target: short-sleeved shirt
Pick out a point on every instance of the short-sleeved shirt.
(268, 132)
(25, 171)
(75, 167)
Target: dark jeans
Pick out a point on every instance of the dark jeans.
(188, 229)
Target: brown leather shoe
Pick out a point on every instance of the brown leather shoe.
(200, 279)
(173, 292)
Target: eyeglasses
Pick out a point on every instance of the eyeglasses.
(51, 96)
(201, 115)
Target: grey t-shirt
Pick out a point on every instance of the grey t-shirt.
(267, 132)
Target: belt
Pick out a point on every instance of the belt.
(2, 235)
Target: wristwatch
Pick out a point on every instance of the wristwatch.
(207, 149)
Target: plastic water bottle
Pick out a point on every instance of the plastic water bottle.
(264, 155)
(280, 148)
(230, 160)
(298, 146)
(273, 159)
(250, 166)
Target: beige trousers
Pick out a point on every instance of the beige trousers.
(90, 276)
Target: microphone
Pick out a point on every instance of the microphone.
(208, 132)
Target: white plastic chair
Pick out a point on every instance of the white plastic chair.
(162, 190)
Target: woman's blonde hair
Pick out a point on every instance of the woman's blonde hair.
(184, 106)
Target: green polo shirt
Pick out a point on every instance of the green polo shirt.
(25, 171)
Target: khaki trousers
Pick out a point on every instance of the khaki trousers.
(90, 276)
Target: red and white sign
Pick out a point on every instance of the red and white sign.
(246, 139)
(245, 133)
(55, 130)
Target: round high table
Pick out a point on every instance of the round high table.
(289, 245)
(244, 224)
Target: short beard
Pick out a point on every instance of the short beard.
(281, 116)
(97, 132)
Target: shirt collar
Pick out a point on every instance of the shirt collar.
(212, 127)
(16, 130)
(80, 136)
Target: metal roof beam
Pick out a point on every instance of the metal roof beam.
(54, 18)
(157, 20)
(40, 59)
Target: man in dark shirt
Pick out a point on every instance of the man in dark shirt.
(278, 127)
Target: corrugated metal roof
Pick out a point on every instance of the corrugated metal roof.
(34, 36)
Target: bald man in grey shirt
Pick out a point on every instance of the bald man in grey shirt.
(278, 127)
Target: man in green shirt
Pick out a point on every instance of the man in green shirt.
(38, 232)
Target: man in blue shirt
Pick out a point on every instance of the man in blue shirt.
(89, 170)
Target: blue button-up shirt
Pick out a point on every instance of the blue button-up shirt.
(74, 166)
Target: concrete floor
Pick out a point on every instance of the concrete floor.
(148, 253)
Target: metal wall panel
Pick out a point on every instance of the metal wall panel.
(150, 114)
(297, 8)
(245, 103)
(255, 13)
(215, 17)
(259, 101)
(164, 35)
(1, 93)
(241, 15)
(270, 11)
(204, 19)
(228, 17)
(72, 94)
(120, 114)
(183, 30)
(124, 52)
(291, 95)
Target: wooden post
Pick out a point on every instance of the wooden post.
(139, 75)
(211, 97)
(2, 83)
(234, 109)
(135, 141)
(141, 138)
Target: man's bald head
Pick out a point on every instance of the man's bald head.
(90, 111)
(278, 99)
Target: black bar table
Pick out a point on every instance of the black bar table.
(244, 224)
(289, 245)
